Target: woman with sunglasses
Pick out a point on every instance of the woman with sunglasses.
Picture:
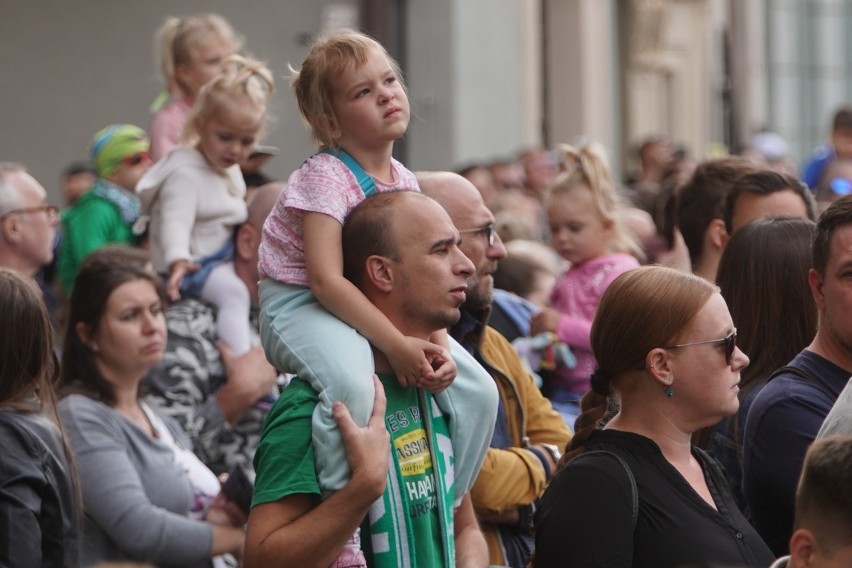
(634, 491)
(107, 212)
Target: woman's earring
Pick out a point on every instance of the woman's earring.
(669, 391)
(95, 347)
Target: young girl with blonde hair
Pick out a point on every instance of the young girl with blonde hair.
(190, 52)
(350, 92)
(583, 211)
(195, 196)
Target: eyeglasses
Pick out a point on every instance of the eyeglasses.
(490, 232)
(730, 342)
(51, 210)
(136, 159)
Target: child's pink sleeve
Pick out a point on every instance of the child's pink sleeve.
(575, 331)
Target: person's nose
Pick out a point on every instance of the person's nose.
(385, 94)
(740, 360)
(153, 322)
(497, 251)
(464, 266)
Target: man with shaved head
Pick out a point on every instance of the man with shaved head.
(529, 435)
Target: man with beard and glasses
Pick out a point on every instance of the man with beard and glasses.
(529, 435)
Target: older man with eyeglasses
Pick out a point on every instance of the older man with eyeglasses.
(106, 213)
(27, 222)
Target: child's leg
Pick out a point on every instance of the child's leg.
(225, 289)
(300, 336)
(471, 405)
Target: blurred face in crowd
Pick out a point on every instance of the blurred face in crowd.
(751, 206)
(30, 226)
(577, 231)
(131, 335)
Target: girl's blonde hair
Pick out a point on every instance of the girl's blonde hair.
(177, 39)
(588, 167)
(313, 84)
(246, 79)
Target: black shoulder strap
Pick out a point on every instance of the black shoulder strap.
(633, 489)
(803, 374)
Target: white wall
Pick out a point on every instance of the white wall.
(70, 68)
(474, 81)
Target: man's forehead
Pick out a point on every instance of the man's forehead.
(27, 186)
(423, 222)
(840, 247)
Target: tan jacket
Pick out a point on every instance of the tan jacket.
(514, 477)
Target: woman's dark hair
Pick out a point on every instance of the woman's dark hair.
(766, 288)
(765, 285)
(101, 273)
(642, 309)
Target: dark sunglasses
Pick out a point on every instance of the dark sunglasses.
(490, 232)
(729, 340)
(136, 159)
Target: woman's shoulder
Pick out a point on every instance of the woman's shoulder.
(28, 431)
(78, 410)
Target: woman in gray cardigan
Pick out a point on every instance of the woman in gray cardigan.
(143, 492)
(38, 510)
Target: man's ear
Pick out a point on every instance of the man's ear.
(815, 281)
(717, 233)
(803, 548)
(246, 244)
(380, 273)
(10, 229)
(658, 365)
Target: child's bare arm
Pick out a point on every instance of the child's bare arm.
(442, 364)
(177, 271)
(324, 262)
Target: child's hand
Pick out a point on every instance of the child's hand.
(444, 371)
(546, 320)
(177, 271)
(410, 361)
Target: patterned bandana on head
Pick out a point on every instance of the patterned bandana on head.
(114, 143)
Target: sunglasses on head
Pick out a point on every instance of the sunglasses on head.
(136, 159)
(729, 340)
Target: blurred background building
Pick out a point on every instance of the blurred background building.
(487, 77)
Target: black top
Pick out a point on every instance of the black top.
(586, 515)
(38, 522)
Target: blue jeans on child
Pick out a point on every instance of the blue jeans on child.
(566, 403)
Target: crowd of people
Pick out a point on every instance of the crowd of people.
(520, 362)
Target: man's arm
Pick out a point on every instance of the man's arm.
(250, 377)
(295, 531)
(515, 477)
(471, 549)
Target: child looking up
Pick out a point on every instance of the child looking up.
(191, 51)
(583, 212)
(351, 94)
(195, 196)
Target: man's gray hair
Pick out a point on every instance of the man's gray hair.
(10, 198)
